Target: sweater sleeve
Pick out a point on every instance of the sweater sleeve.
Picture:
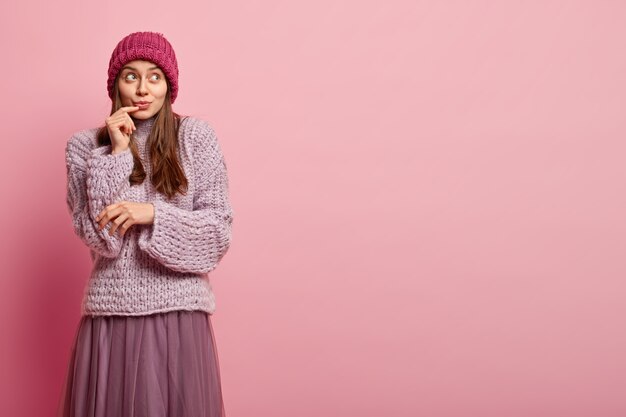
(194, 240)
(95, 179)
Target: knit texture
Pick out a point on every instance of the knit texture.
(162, 266)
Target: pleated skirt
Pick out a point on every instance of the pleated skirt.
(157, 365)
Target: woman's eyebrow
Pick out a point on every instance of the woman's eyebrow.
(135, 69)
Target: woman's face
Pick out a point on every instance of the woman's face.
(142, 81)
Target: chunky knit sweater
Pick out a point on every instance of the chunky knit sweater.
(155, 267)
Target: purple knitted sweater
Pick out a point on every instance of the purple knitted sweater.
(162, 266)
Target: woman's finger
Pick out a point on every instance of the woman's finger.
(132, 123)
(119, 220)
(128, 108)
(107, 214)
(125, 226)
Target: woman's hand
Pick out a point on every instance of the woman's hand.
(124, 214)
(120, 126)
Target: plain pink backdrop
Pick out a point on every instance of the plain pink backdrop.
(429, 200)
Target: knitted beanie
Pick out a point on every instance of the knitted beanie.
(151, 46)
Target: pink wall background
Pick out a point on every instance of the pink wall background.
(429, 200)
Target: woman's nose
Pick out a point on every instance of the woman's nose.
(142, 87)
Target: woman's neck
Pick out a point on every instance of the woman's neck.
(144, 126)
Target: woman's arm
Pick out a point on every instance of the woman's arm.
(95, 179)
(194, 241)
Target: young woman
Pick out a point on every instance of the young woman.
(148, 194)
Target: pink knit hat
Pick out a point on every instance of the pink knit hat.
(151, 46)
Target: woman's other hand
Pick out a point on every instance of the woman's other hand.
(124, 214)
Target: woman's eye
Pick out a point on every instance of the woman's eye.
(158, 77)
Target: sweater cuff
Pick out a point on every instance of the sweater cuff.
(162, 232)
(182, 240)
(108, 173)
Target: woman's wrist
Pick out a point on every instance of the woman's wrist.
(115, 151)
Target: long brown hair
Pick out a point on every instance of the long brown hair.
(168, 176)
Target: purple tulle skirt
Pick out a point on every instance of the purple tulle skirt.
(157, 365)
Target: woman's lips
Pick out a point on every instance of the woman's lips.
(142, 105)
